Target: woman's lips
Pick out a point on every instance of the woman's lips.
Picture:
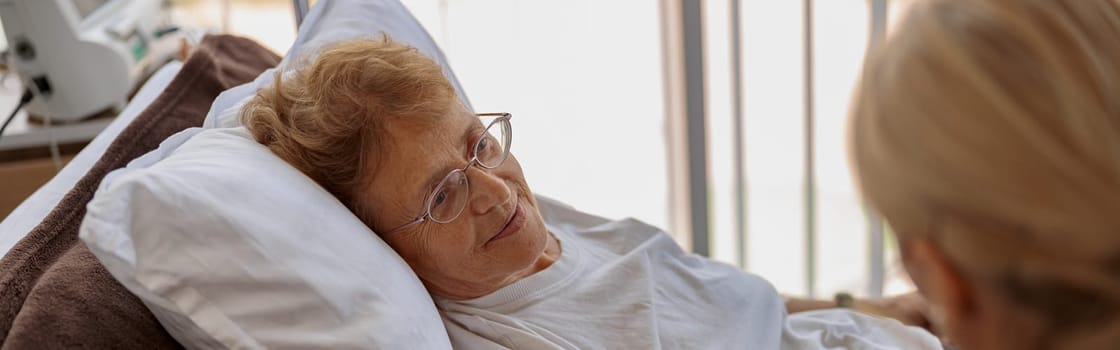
(513, 225)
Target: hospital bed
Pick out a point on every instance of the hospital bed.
(53, 292)
(36, 207)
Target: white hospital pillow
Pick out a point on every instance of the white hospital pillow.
(230, 247)
(333, 21)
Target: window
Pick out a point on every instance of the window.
(584, 80)
(270, 22)
(784, 204)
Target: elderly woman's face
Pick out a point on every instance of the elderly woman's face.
(466, 257)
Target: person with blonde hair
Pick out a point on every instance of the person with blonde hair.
(987, 133)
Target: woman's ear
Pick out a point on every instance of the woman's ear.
(967, 312)
(952, 298)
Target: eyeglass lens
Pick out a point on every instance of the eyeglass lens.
(450, 197)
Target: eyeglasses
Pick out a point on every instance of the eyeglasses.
(450, 197)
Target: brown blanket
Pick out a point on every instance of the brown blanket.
(53, 292)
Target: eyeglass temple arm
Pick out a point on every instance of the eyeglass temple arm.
(493, 114)
(406, 226)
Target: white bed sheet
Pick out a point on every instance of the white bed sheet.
(35, 208)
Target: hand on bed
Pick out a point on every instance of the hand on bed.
(910, 309)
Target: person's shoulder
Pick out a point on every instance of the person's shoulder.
(558, 213)
(601, 234)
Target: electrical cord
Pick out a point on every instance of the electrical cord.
(23, 100)
(38, 87)
(41, 87)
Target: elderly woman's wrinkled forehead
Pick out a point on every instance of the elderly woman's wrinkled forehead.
(429, 133)
(416, 149)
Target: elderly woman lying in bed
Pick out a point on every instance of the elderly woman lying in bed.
(377, 124)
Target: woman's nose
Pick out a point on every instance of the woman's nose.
(487, 190)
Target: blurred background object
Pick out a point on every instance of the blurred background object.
(81, 57)
(269, 22)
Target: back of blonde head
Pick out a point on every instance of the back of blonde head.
(993, 128)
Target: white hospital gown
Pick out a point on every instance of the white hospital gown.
(627, 285)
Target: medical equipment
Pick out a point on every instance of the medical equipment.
(82, 56)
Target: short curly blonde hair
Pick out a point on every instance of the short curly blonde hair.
(328, 118)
